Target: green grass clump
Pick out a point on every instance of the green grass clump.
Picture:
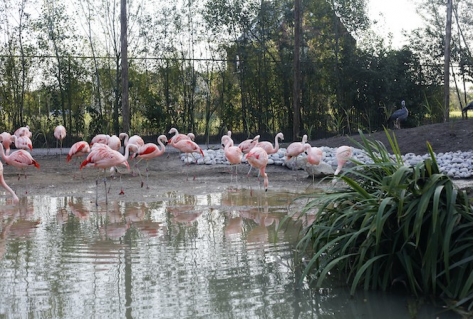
(393, 223)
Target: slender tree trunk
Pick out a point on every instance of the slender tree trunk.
(447, 53)
(124, 46)
(296, 71)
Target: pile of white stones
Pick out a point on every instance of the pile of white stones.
(454, 164)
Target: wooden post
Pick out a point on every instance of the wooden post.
(447, 54)
(296, 71)
(123, 52)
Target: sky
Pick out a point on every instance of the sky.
(394, 16)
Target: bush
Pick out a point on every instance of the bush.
(393, 224)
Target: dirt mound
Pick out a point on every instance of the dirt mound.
(443, 137)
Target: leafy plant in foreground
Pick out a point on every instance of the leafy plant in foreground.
(394, 223)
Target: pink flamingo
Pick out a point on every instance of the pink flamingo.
(20, 159)
(6, 139)
(135, 140)
(258, 158)
(78, 149)
(248, 144)
(103, 157)
(231, 152)
(23, 131)
(268, 147)
(150, 150)
(223, 138)
(178, 137)
(60, 134)
(343, 154)
(100, 138)
(296, 148)
(4, 184)
(22, 142)
(114, 142)
(188, 147)
(313, 154)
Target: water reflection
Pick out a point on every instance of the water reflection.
(215, 255)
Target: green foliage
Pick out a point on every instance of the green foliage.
(394, 224)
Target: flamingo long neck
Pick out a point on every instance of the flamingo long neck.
(125, 140)
(162, 146)
(2, 153)
(4, 184)
(127, 151)
(277, 146)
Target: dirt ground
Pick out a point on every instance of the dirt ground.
(168, 173)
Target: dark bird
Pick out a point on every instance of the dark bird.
(465, 109)
(399, 116)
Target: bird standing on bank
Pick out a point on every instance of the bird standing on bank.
(103, 157)
(78, 149)
(20, 159)
(248, 144)
(232, 153)
(343, 154)
(60, 134)
(148, 151)
(179, 136)
(258, 158)
(398, 116)
(313, 154)
(268, 147)
(296, 148)
(22, 142)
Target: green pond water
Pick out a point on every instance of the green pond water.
(219, 255)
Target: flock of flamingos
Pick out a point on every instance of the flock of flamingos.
(103, 152)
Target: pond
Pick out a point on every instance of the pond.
(219, 255)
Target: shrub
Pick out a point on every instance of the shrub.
(393, 223)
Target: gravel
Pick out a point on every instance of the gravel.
(457, 165)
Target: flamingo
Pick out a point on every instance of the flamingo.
(343, 154)
(135, 140)
(6, 139)
(223, 138)
(103, 157)
(78, 149)
(258, 158)
(178, 137)
(248, 144)
(100, 138)
(60, 134)
(231, 152)
(296, 148)
(149, 151)
(22, 142)
(23, 131)
(16, 200)
(20, 159)
(268, 147)
(114, 142)
(313, 154)
(188, 147)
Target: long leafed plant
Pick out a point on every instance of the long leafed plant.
(393, 223)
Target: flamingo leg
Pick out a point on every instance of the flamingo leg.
(147, 173)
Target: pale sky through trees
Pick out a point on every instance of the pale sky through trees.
(394, 16)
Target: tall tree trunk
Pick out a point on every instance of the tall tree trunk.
(447, 53)
(296, 71)
(124, 46)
